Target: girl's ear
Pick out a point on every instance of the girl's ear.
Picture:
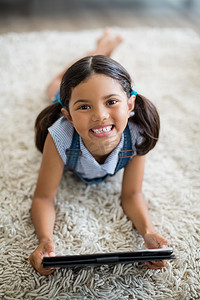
(131, 103)
(66, 115)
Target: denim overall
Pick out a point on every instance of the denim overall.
(73, 153)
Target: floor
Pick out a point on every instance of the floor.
(66, 15)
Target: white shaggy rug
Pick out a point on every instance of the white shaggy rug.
(165, 65)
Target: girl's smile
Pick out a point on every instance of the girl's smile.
(102, 131)
(99, 111)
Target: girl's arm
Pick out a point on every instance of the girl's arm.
(42, 210)
(136, 208)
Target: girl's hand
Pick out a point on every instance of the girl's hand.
(45, 248)
(155, 241)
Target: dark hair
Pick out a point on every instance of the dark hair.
(145, 113)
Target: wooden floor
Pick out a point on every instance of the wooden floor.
(73, 15)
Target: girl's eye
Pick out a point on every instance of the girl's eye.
(111, 102)
(84, 107)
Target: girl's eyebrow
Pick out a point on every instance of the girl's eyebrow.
(111, 95)
(80, 101)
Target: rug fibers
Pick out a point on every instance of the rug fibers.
(165, 66)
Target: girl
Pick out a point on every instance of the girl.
(96, 126)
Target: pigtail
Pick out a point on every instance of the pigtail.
(146, 116)
(44, 120)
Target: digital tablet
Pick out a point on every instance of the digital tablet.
(98, 259)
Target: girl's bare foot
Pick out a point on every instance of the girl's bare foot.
(107, 43)
(105, 46)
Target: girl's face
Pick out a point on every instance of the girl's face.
(99, 111)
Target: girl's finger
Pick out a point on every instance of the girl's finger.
(47, 271)
(155, 264)
(159, 263)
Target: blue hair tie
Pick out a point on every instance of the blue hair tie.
(133, 93)
(59, 101)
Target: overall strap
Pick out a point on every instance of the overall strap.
(127, 152)
(73, 152)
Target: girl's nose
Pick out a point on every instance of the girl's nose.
(100, 114)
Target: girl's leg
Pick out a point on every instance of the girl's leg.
(105, 46)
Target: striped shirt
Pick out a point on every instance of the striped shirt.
(62, 132)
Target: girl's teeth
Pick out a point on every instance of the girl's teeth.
(105, 129)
